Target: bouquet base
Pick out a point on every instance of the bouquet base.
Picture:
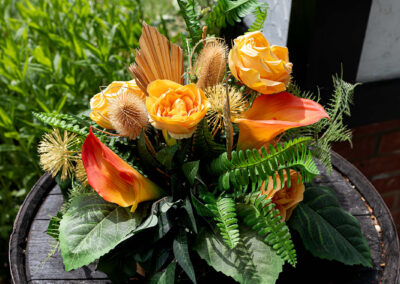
(29, 243)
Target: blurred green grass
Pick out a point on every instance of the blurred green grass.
(54, 55)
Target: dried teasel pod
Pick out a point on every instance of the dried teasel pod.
(211, 63)
(128, 115)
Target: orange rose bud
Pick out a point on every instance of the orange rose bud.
(100, 103)
(270, 115)
(112, 178)
(286, 198)
(258, 65)
(175, 108)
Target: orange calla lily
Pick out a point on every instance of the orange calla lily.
(112, 178)
(270, 115)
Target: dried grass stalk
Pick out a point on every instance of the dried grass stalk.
(157, 59)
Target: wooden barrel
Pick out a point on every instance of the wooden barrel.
(29, 241)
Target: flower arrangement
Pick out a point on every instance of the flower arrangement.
(208, 166)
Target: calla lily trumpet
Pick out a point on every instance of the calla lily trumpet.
(270, 115)
(114, 179)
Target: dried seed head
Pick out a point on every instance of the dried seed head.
(211, 64)
(128, 115)
(80, 172)
(217, 98)
(57, 153)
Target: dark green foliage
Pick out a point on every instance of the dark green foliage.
(165, 277)
(260, 15)
(181, 253)
(260, 214)
(228, 12)
(67, 122)
(188, 11)
(327, 230)
(204, 145)
(224, 213)
(251, 167)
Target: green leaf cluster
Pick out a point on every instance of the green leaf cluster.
(67, 122)
(260, 214)
(260, 15)
(228, 12)
(251, 168)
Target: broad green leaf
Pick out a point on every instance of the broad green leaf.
(251, 261)
(166, 155)
(191, 171)
(327, 230)
(165, 277)
(92, 227)
(181, 252)
(200, 207)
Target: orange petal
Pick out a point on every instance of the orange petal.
(112, 178)
(270, 115)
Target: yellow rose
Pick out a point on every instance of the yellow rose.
(100, 103)
(175, 108)
(258, 65)
(285, 199)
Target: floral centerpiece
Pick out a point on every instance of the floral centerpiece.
(208, 165)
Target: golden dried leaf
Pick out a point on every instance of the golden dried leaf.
(157, 58)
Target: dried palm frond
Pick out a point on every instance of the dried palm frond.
(211, 64)
(157, 59)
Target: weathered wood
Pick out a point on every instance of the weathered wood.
(39, 268)
(355, 194)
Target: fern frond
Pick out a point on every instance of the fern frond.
(224, 212)
(203, 142)
(67, 122)
(260, 214)
(188, 10)
(260, 15)
(251, 167)
(228, 12)
(333, 130)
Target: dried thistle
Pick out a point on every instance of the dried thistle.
(211, 64)
(57, 153)
(80, 172)
(128, 115)
(217, 98)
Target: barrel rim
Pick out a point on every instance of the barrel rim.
(381, 212)
(22, 224)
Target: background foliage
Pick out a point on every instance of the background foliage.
(54, 55)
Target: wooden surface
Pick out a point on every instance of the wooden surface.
(356, 194)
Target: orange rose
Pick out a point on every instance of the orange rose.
(285, 199)
(175, 108)
(258, 65)
(100, 103)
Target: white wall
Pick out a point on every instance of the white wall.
(380, 57)
(276, 25)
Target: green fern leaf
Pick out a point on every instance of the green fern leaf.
(260, 15)
(188, 10)
(228, 12)
(260, 214)
(67, 122)
(224, 212)
(251, 168)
